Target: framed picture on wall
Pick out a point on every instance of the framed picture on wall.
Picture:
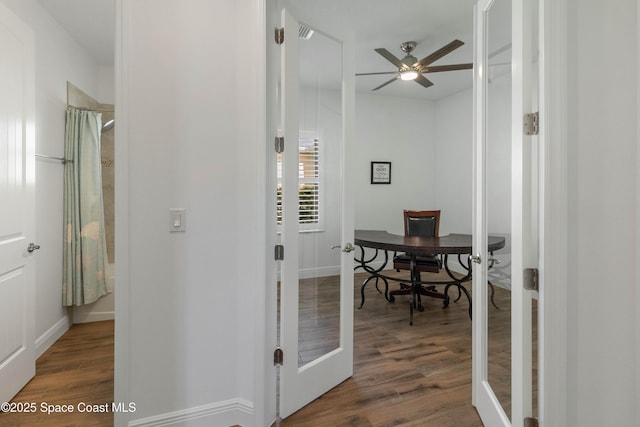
(381, 172)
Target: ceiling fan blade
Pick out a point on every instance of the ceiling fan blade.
(385, 83)
(391, 58)
(455, 67)
(423, 81)
(375, 74)
(439, 53)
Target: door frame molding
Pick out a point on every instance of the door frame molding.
(552, 377)
(122, 337)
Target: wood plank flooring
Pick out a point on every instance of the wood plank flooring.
(404, 375)
(76, 368)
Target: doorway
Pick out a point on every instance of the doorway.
(434, 126)
(89, 69)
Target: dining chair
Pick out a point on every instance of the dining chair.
(424, 224)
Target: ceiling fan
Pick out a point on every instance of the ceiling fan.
(410, 68)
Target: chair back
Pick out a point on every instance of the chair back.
(421, 223)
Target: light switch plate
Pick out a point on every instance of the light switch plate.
(177, 220)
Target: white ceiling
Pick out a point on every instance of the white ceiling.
(387, 24)
(375, 23)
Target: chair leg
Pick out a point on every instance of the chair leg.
(493, 291)
(419, 305)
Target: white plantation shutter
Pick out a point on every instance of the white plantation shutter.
(308, 180)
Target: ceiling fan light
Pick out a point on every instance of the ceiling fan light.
(409, 75)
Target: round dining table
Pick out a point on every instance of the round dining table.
(415, 246)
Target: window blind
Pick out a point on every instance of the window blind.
(308, 182)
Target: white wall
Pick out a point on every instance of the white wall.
(603, 370)
(455, 154)
(106, 84)
(400, 131)
(58, 59)
(191, 141)
(431, 147)
(454, 169)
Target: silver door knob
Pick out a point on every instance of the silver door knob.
(347, 248)
(32, 247)
(475, 258)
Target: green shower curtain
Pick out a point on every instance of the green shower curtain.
(85, 248)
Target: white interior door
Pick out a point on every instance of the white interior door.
(316, 296)
(17, 180)
(505, 84)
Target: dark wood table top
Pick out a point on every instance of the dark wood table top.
(449, 244)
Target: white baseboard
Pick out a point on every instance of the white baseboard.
(80, 316)
(306, 273)
(225, 413)
(44, 341)
(102, 309)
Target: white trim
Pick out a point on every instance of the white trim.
(46, 340)
(637, 227)
(307, 273)
(81, 316)
(228, 412)
(265, 391)
(261, 328)
(552, 327)
(122, 278)
(88, 314)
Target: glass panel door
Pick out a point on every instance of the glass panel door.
(319, 160)
(504, 189)
(316, 214)
(498, 198)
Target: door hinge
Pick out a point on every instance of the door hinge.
(279, 144)
(279, 252)
(279, 35)
(531, 123)
(530, 422)
(278, 356)
(530, 282)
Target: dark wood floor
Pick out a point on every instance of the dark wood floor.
(77, 368)
(404, 375)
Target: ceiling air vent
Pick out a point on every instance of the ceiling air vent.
(304, 32)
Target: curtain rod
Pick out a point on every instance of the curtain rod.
(102, 110)
(62, 159)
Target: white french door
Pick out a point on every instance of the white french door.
(17, 182)
(505, 203)
(316, 282)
